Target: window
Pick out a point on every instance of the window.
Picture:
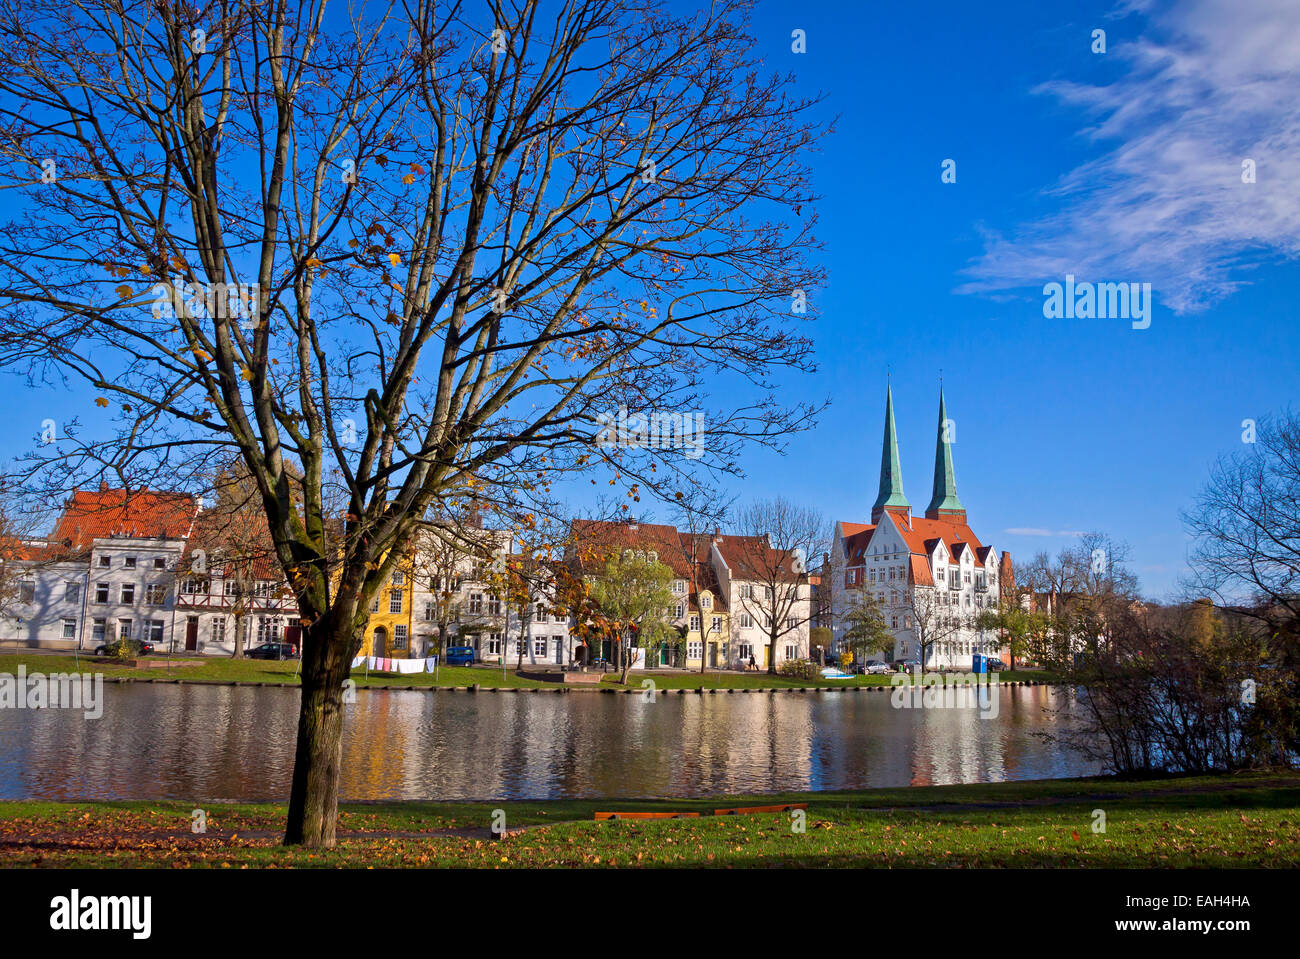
(268, 629)
(101, 592)
(494, 605)
(706, 602)
(539, 646)
(494, 643)
(694, 649)
(374, 606)
(746, 591)
(791, 622)
(159, 562)
(476, 602)
(69, 629)
(679, 586)
(894, 620)
(105, 562)
(695, 624)
(97, 632)
(717, 624)
(791, 652)
(395, 600)
(155, 594)
(128, 592)
(399, 636)
(129, 562)
(27, 590)
(219, 629)
(428, 612)
(679, 611)
(746, 621)
(155, 631)
(399, 578)
(72, 592)
(541, 612)
(746, 651)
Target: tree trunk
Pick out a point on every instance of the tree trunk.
(771, 656)
(313, 796)
(240, 625)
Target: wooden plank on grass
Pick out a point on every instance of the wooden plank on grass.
(749, 810)
(647, 815)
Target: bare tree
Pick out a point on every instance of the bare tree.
(771, 562)
(404, 251)
(1247, 527)
(932, 619)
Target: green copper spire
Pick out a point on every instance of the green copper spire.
(944, 501)
(891, 475)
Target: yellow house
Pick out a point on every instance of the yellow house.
(707, 630)
(388, 631)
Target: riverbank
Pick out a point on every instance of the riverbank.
(254, 672)
(1245, 820)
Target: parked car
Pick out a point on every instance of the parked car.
(135, 647)
(877, 668)
(460, 655)
(272, 651)
(995, 665)
(907, 665)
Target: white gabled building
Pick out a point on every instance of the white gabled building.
(931, 575)
(106, 571)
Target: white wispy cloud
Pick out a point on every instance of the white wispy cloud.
(1208, 84)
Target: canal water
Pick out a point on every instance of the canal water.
(221, 742)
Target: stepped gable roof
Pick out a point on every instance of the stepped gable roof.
(145, 514)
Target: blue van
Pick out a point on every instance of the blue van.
(460, 655)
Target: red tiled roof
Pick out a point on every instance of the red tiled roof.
(90, 514)
(241, 537)
(596, 540)
(951, 533)
(921, 572)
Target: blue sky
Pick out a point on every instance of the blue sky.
(1116, 166)
(1067, 424)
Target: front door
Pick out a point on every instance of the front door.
(559, 651)
(191, 632)
(379, 643)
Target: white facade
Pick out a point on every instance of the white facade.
(49, 610)
(132, 590)
(960, 587)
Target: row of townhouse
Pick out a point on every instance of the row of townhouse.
(154, 565)
(721, 607)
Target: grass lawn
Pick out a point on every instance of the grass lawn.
(1242, 820)
(225, 670)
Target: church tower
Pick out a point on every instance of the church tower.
(944, 504)
(891, 496)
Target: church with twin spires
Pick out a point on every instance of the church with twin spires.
(931, 575)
